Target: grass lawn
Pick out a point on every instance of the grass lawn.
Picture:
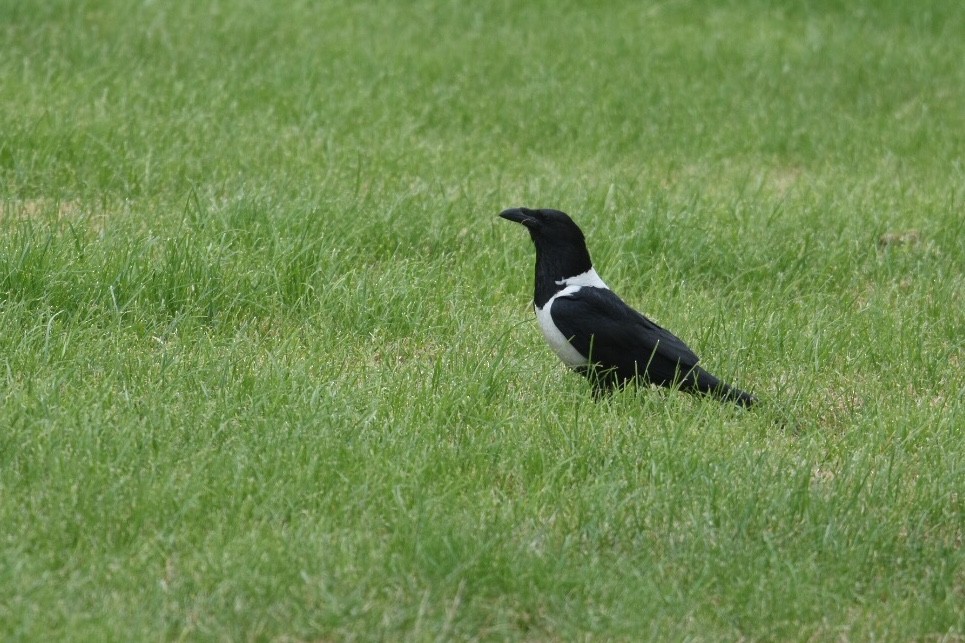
(269, 368)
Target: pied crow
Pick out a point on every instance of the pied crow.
(592, 330)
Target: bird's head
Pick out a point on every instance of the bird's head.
(550, 229)
(560, 245)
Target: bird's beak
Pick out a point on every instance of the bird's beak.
(520, 215)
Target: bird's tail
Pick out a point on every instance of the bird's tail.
(704, 383)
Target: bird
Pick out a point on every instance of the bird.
(593, 331)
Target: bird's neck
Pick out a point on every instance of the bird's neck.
(554, 270)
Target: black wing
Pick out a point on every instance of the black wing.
(600, 324)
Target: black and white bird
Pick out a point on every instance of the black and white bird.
(592, 330)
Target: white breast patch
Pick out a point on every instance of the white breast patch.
(554, 337)
(557, 341)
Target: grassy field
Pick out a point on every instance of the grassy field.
(269, 368)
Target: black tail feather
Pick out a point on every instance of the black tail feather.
(702, 382)
(698, 381)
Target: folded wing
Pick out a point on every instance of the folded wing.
(622, 339)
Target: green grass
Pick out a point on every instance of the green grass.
(268, 368)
